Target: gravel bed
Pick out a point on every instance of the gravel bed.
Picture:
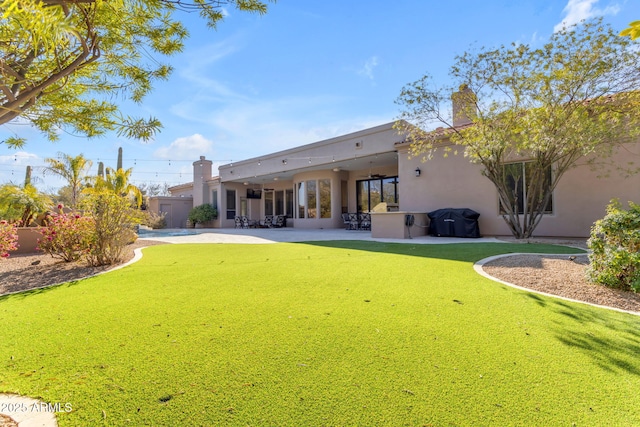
(30, 271)
(559, 275)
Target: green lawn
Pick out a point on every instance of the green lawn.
(318, 334)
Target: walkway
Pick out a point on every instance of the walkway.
(275, 235)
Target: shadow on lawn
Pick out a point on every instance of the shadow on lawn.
(469, 252)
(22, 294)
(611, 339)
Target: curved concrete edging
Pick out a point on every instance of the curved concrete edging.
(478, 268)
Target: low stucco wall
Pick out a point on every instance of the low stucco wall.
(391, 225)
(27, 240)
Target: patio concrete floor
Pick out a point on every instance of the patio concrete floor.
(275, 235)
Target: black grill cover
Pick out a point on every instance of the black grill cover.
(451, 222)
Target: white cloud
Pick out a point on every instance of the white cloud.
(186, 148)
(20, 158)
(244, 129)
(579, 10)
(368, 67)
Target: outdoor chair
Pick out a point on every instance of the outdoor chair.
(279, 221)
(245, 222)
(345, 221)
(365, 221)
(268, 221)
(238, 222)
(353, 221)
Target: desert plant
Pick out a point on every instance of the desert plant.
(615, 246)
(8, 238)
(116, 181)
(155, 220)
(66, 236)
(115, 220)
(203, 213)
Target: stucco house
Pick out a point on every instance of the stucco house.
(314, 184)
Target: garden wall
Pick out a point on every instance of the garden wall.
(28, 240)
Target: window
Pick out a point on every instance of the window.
(324, 187)
(231, 204)
(279, 202)
(268, 202)
(370, 192)
(312, 209)
(289, 202)
(314, 199)
(517, 176)
(301, 200)
(214, 199)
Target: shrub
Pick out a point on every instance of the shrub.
(154, 220)
(8, 238)
(66, 235)
(115, 221)
(615, 246)
(203, 213)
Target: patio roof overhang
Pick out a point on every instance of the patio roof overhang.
(260, 175)
(363, 151)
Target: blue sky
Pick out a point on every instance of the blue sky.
(306, 71)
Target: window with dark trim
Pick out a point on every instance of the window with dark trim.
(231, 204)
(370, 192)
(214, 199)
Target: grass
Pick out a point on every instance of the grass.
(318, 334)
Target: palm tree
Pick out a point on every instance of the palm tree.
(73, 170)
(25, 202)
(117, 181)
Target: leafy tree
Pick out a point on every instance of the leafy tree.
(632, 31)
(62, 196)
(154, 189)
(71, 169)
(202, 214)
(62, 61)
(578, 95)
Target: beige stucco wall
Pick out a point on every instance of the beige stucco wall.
(27, 240)
(392, 225)
(453, 182)
(177, 209)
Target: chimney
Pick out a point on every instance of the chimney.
(201, 173)
(464, 106)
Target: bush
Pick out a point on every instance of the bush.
(8, 238)
(154, 220)
(615, 246)
(203, 213)
(66, 235)
(115, 221)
